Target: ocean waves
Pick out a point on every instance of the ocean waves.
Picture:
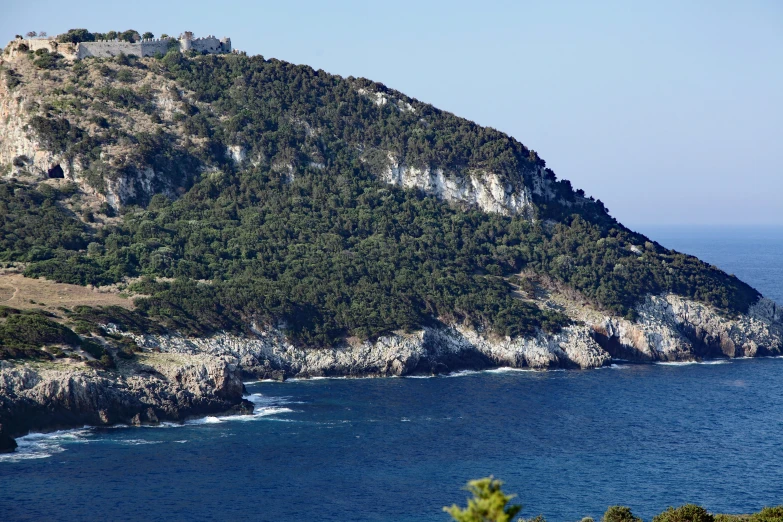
(44, 445)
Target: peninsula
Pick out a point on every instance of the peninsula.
(178, 216)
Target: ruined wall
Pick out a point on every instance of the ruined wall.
(151, 47)
(68, 50)
(209, 44)
(157, 46)
(107, 49)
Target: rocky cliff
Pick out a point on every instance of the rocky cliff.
(669, 328)
(46, 396)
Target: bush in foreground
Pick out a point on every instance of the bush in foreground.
(490, 504)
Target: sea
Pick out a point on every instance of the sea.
(567, 443)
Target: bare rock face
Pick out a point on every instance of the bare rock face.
(33, 399)
(672, 328)
(7, 443)
(432, 350)
(20, 148)
(483, 189)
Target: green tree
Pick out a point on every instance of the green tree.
(768, 514)
(76, 36)
(686, 513)
(148, 36)
(489, 503)
(131, 35)
(619, 514)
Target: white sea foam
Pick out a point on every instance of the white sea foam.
(205, 420)
(138, 442)
(509, 369)
(333, 378)
(43, 445)
(461, 373)
(687, 363)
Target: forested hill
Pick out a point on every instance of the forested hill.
(238, 191)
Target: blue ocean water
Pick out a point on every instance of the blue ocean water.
(569, 443)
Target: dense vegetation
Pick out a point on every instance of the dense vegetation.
(307, 238)
(23, 333)
(490, 504)
(35, 334)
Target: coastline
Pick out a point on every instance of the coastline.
(175, 378)
(255, 407)
(47, 442)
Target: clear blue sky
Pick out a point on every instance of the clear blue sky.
(668, 111)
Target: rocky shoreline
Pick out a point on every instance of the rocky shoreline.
(174, 377)
(45, 397)
(669, 328)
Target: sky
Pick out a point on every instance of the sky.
(670, 112)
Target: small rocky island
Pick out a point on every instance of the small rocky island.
(178, 217)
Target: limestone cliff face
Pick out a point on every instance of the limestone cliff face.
(19, 147)
(33, 398)
(480, 188)
(670, 328)
(121, 175)
(432, 350)
(508, 194)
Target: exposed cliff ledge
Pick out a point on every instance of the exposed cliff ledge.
(669, 329)
(431, 350)
(35, 397)
(483, 189)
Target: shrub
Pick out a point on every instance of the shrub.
(619, 514)
(55, 133)
(22, 334)
(21, 161)
(47, 60)
(125, 76)
(12, 79)
(686, 513)
(76, 36)
(489, 503)
(768, 514)
(100, 121)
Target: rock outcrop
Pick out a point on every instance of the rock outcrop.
(159, 388)
(432, 350)
(670, 328)
(20, 148)
(7, 443)
(483, 189)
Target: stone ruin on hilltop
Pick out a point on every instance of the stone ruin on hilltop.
(109, 48)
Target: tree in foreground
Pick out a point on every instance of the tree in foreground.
(489, 503)
(686, 513)
(619, 514)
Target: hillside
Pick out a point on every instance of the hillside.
(235, 195)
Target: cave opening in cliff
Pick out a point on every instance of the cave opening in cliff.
(56, 172)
